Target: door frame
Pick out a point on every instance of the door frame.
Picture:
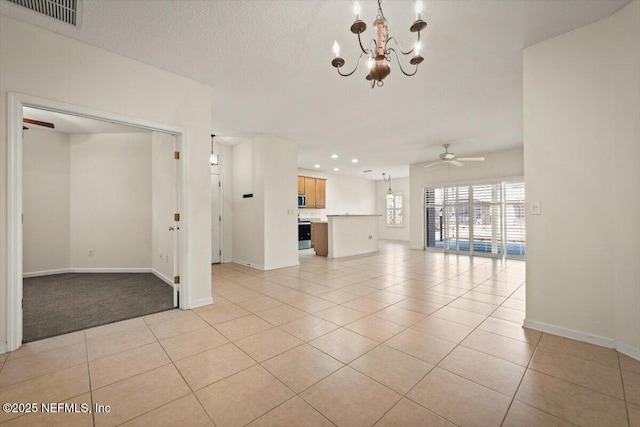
(221, 201)
(15, 102)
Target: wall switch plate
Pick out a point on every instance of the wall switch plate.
(536, 208)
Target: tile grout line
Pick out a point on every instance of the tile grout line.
(624, 392)
(179, 372)
(86, 345)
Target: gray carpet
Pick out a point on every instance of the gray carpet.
(63, 303)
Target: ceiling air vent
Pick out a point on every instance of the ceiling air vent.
(61, 10)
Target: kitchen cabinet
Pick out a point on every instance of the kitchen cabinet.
(314, 190)
(321, 186)
(320, 238)
(310, 191)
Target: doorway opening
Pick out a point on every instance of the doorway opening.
(94, 219)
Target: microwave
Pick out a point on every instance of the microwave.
(302, 201)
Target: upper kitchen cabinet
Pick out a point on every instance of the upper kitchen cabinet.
(310, 191)
(321, 186)
(314, 190)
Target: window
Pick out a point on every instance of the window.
(487, 218)
(394, 209)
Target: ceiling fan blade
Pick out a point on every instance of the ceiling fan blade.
(38, 123)
(456, 163)
(471, 159)
(432, 164)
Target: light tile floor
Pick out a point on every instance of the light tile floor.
(398, 338)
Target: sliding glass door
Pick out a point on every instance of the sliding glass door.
(485, 219)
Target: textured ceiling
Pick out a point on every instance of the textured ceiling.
(269, 64)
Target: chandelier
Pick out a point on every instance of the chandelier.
(381, 47)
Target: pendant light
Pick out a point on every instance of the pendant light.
(214, 157)
(388, 179)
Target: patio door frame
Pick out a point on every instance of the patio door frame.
(471, 252)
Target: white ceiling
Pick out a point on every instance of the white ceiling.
(67, 123)
(269, 65)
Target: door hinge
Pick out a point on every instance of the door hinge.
(219, 184)
(176, 155)
(219, 217)
(176, 217)
(176, 280)
(220, 252)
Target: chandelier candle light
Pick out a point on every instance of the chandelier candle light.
(380, 48)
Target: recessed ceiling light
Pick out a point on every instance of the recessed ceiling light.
(334, 156)
(336, 169)
(354, 160)
(316, 166)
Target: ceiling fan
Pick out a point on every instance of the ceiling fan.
(38, 123)
(450, 158)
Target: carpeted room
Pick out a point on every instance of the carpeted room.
(98, 203)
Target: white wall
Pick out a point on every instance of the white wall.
(45, 201)
(344, 194)
(280, 157)
(264, 226)
(497, 165)
(65, 70)
(398, 185)
(582, 161)
(248, 213)
(163, 203)
(110, 195)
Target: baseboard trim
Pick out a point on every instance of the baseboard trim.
(3, 348)
(46, 272)
(111, 270)
(162, 277)
(628, 350)
(87, 270)
(248, 264)
(570, 333)
(200, 302)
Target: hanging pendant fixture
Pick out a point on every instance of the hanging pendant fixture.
(214, 157)
(380, 48)
(388, 179)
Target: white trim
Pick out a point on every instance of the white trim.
(14, 222)
(45, 273)
(200, 302)
(162, 277)
(15, 102)
(628, 350)
(570, 333)
(464, 182)
(248, 264)
(111, 270)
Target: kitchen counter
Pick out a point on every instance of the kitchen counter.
(350, 235)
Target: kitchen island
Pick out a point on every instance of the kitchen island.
(349, 235)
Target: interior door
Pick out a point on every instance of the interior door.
(165, 202)
(216, 219)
